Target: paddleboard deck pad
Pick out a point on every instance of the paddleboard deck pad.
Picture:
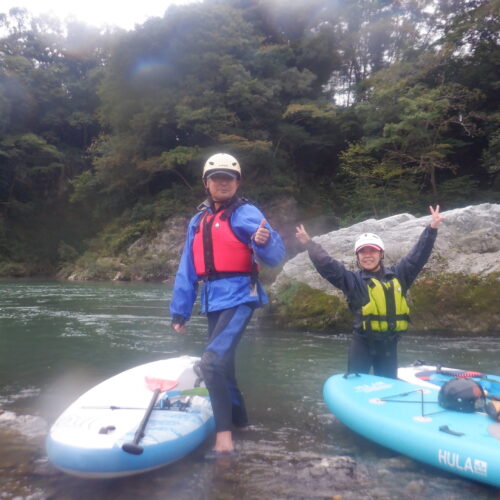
(87, 439)
(408, 419)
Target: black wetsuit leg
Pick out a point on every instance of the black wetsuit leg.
(385, 359)
(359, 359)
(239, 413)
(218, 366)
(365, 354)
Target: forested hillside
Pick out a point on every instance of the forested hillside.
(352, 108)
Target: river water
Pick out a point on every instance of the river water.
(59, 339)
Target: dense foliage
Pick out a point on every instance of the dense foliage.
(352, 107)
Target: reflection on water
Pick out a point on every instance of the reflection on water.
(59, 339)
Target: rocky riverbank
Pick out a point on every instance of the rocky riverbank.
(458, 291)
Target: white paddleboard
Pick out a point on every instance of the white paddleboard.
(88, 439)
(436, 376)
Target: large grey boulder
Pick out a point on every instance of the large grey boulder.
(468, 242)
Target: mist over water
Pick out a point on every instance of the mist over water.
(59, 339)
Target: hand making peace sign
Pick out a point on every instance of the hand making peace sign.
(436, 217)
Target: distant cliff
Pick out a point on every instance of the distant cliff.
(458, 291)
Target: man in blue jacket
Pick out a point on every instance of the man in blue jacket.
(223, 243)
(375, 294)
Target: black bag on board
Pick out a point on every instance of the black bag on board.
(462, 394)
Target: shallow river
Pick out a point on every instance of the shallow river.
(59, 339)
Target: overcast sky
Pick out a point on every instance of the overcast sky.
(123, 13)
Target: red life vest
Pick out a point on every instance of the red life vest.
(217, 251)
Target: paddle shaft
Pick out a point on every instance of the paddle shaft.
(134, 447)
(140, 431)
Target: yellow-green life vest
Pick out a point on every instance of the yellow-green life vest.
(387, 309)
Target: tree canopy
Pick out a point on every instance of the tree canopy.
(354, 108)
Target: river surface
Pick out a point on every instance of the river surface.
(58, 339)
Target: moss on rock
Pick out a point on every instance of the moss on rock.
(298, 305)
(456, 302)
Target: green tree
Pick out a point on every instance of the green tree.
(48, 78)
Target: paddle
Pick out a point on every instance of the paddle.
(156, 385)
(466, 374)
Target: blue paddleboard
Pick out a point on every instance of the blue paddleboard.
(407, 418)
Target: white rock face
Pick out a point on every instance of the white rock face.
(468, 242)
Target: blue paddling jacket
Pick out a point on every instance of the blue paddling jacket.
(227, 291)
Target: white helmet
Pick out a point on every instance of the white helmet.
(222, 162)
(369, 240)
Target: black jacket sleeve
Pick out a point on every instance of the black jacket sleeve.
(408, 267)
(331, 269)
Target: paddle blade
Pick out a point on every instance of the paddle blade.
(159, 384)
